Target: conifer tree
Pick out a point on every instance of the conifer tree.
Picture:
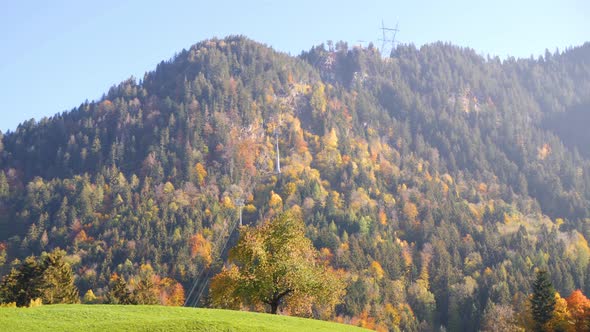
(9, 287)
(144, 291)
(57, 281)
(26, 287)
(49, 278)
(119, 293)
(543, 299)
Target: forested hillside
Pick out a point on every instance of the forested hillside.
(437, 180)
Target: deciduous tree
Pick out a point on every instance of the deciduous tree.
(275, 264)
(579, 308)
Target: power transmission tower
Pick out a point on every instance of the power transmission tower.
(240, 204)
(389, 35)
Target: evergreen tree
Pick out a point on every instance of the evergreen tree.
(119, 293)
(49, 278)
(543, 299)
(9, 287)
(57, 281)
(146, 291)
(28, 279)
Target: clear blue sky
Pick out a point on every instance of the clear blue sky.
(56, 54)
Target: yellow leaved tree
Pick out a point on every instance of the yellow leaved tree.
(275, 265)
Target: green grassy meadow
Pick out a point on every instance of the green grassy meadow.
(108, 318)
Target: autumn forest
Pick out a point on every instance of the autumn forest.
(433, 189)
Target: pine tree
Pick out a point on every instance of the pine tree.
(57, 281)
(144, 291)
(22, 284)
(49, 278)
(28, 281)
(9, 287)
(119, 293)
(543, 300)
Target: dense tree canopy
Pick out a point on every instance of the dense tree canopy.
(438, 180)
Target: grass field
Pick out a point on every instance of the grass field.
(108, 318)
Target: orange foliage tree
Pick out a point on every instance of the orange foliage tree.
(201, 247)
(579, 308)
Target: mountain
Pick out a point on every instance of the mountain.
(437, 179)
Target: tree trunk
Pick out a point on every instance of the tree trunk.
(276, 300)
(274, 307)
